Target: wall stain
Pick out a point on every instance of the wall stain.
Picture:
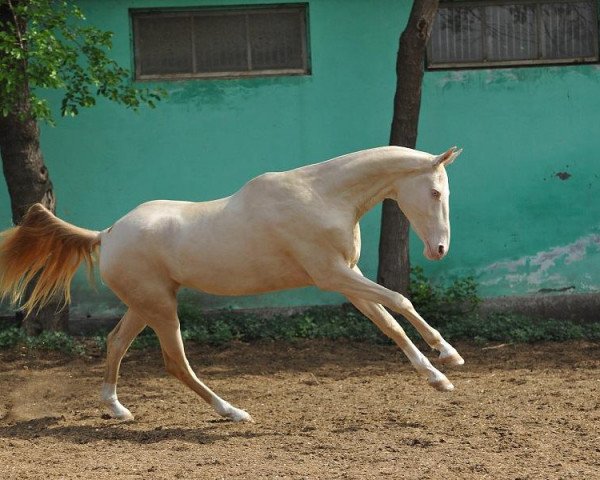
(556, 290)
(541, 269)
(228, 91)
(511, 76)
(563, 175)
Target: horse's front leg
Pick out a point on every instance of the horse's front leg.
(352, 284)
(388, 325)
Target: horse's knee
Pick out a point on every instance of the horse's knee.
(403, 304)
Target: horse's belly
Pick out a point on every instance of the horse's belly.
(244, 277)
(244, 281)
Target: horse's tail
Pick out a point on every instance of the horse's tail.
(46, 249)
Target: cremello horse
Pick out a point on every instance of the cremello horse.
(281, 230)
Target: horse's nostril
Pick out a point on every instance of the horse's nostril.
(441, 249)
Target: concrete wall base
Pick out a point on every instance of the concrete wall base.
(576, 307)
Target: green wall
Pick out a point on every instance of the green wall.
(517, 227)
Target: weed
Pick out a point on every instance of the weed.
(10, 337)
(55, 341)
(49, 341)
(440, 305)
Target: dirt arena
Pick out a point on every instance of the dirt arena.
(323, 410)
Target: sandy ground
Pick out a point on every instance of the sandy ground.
(323, 410)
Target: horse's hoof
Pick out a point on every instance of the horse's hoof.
(121, 414)
(441, 384)
(451, 359)
(125, 416)
(238, 415)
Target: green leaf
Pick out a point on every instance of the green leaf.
(53, 47)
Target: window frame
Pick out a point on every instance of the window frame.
(192, 12)
(516, 63)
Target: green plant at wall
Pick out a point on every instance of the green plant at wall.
(49, 341)
(48, 45)
(443, 304)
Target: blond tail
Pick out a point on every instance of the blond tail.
(45, 249)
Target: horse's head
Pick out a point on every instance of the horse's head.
(423, 197)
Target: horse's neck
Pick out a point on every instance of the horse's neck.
(364, 179)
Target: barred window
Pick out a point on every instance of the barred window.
(481, 34)
(220, 42)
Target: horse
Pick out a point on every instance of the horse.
(281, 230)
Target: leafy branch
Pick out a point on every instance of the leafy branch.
(46, 44)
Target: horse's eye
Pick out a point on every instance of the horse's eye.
(436, 194)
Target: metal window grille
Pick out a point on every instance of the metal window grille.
(220, 42)
(526, 32)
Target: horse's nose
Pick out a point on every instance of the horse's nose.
(441, 249)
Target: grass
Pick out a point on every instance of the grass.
(327, 323)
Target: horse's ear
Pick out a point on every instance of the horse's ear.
(447, 157)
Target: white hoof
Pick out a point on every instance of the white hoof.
(119, 412)
(110, 400)
(238, 415)
(440, 382)
(225, 409)
(450, 358)
(123, 414)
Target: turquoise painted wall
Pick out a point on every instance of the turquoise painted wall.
(517, 227)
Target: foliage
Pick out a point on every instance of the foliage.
(519, 329)
(49, 341)
(316, 322)
(9, 337)
(319, 322)
(450, 309)
(441, 305)
(46, 44)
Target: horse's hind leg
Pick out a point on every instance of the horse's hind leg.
(166, 326)
(118, 342)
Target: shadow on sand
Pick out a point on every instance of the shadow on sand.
(83, 434)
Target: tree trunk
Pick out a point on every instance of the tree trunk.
(27, 178)
(394, 262)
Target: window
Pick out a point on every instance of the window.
(481, 34)
(228, 42)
